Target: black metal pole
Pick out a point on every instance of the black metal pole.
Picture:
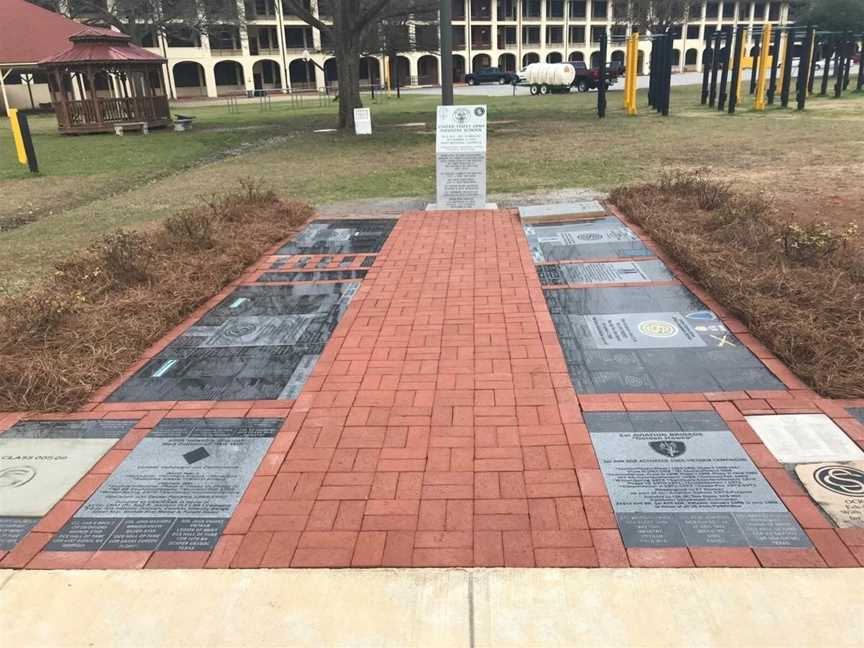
(667, 74)
(804, 66)
(446, 38)
(850, 51)
(814, 58)
(861, 69)
(601, 81)
(775, 56)
(826, 73)
(706, 75)
(652, 75)
(787, 68)
(736, 69)
(755, 67)
(838, 71)
(715, 63)
(724, 77)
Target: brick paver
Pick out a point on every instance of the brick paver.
(440, 428)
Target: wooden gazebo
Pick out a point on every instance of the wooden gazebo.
(103, 80)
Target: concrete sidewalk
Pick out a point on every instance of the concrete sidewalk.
(432, 607)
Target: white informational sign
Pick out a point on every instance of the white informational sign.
(362, 121)
(460, 145)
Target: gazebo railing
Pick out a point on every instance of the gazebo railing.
(145, 109)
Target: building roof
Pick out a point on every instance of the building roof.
(29, 33)
(94, 45)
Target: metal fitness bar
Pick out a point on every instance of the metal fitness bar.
(787, 68)
(736, 69)
(715, 62)
(601, 88)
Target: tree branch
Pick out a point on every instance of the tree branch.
(307, 16)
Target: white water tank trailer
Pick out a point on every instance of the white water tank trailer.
(544, 78)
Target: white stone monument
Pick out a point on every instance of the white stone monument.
(460, 145)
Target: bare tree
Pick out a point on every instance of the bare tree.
(347, 25)
(654, 16)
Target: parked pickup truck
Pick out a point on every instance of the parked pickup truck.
(589, 79)
(490, 75)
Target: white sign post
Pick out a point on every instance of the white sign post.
(460, 144)
(362, 121)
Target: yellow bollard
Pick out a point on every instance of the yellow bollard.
(12, 113)
(761, 80)
(627, 76)
(634, 63)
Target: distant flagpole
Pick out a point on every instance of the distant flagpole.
(446, 31)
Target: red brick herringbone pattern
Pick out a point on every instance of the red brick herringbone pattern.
(442, 429)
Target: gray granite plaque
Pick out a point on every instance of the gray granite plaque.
(461, 157)
(175, 491)
(559, 211)
(640, 331)
(838, 488)
(675, 485)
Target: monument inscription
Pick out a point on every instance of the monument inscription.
(682, 479)
(838, 488)
(175, 491)
(460, 145)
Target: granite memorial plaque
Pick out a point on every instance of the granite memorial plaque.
(175, 491)
(260, 343)
(591, 238)
(312, 275)
(612, 272)
(341, 236)
(560, 212)
(681, 479)
(362, 121)
(460, 146)
(650, 339)
(838, 488)
(40, 461)
(804, 438)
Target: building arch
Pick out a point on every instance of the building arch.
(458, 68)
(676, 57)
(427, 70)
(507, 62)
(554, 57)
(370, 70)
(529, 58)
(618, 56)
(691, 57)
(229, 77)
(707, 56)
(189, 79)
(267, 75)
(595, 59)
(576, 56)
(331, 74)
(481, 62)
(301, 74)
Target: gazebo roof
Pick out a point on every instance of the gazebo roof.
(29, 33)
(94, 45)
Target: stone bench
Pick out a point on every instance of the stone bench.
(119, 129)
(182, 123)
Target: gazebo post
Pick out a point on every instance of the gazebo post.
(91, 78)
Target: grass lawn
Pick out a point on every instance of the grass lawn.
(92, 184)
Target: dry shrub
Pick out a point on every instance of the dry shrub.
(106, 305)
(807, 307)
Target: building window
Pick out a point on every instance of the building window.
(179, 36)
(596, 33)
(692, 31)
(458, 37)
(506, 9)
(531, 35)
(773, 11)
(531, 8)
(694, 12)
(458, 10)
(759, 12)
(577, 34)
(554, 35)
(712, 10)
(506, 37)
(554, 8)
(598, 9)
(577, 8)
(481, 9)
(619, 31)
(728, 9)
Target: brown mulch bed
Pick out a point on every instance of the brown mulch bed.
(105, 306)
(798, 286)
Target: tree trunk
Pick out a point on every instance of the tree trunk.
(348, 70)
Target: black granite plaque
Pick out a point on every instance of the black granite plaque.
(84, 429)
(590, 238)
(13, 530)
(175, 491)
(317, 275)
(650, 339)
(680, 479)
(335, 236)
(603, 273)
(259, 343)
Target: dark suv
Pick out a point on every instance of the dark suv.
(491, 75)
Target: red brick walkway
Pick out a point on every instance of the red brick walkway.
(441, 427)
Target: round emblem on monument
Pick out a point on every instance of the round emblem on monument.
(15, 476)
(461, 115)
(590, 236)
(843, 480)
(658, 329)
(240, 329)
(479, 111)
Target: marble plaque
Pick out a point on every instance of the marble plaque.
(649, 339)
(460, 147)
(584, 239)
(175, 491)
(603, 273)
(561, 211)
(682, 479)
(803, 438)
(338, 236)
(838, 488)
